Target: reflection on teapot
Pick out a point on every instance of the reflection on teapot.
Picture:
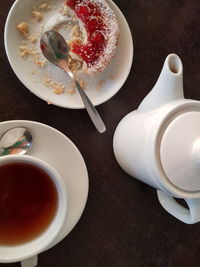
(159, 143)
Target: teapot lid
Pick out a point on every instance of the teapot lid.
(180, 151)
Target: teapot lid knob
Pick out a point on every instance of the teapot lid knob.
(180, 151)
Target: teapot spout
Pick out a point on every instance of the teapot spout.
(169, 86)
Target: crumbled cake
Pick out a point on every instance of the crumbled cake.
(27, 50)
(74, 65)
(76, 34)
(58, 88)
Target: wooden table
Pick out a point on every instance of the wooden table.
(123, 224)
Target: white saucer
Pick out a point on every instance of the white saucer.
(56, 149)
(99, 88)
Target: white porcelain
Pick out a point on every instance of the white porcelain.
(40, 243)
(58, 151)
(159, 143)
(99, 88)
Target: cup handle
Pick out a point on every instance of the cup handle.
(31, 262)
(189, 216)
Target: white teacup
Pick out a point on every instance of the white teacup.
(27, 252)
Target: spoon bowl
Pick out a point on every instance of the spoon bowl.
(17, 140)
(54, 47)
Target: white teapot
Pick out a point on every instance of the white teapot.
(159, 143)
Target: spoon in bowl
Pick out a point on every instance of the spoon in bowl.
(17, 140)
(55, 49)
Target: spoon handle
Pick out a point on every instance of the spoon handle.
(93, 113)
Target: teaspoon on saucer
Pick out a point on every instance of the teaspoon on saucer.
(55, 49)
(17, 140)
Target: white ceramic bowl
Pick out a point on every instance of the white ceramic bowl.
(99, 88)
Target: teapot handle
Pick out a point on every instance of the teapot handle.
(189, 216)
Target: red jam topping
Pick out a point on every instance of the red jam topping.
(90, 15)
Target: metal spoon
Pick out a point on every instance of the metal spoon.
(54, 48)
(17, 140)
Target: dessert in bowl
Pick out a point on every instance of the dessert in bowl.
(100, 80)
(95, 41)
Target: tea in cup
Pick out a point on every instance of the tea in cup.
(33, 208)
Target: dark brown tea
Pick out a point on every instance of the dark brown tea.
(28, 202)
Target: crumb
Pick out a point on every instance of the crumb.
(37, 15)
(112, 77)
(74, 65)
(49, 103)
(46, 82)
(34, 54)
(58, 88)
(22, 27)
(33, 72)
(71, 91)
(41, 63)
(82, 83)
(35, 81)
(24, 51)
(44, 6)
(32, 39)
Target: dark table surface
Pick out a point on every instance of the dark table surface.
(123, 223)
